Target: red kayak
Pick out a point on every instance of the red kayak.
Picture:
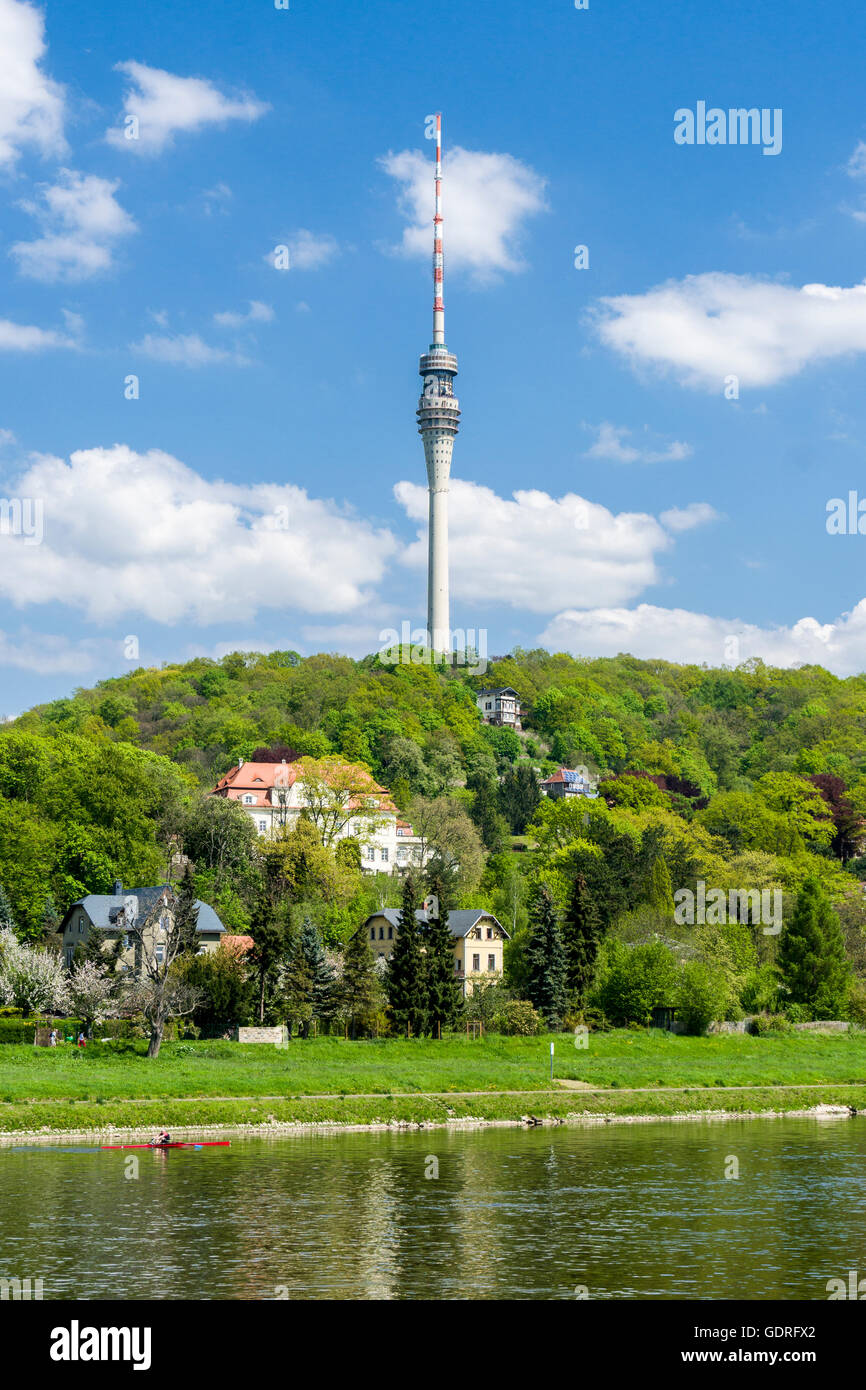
(188, 1144)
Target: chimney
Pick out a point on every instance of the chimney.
(240, 762)
(283, 761)
(118, 888)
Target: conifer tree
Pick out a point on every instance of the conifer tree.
(6, 918)
(50, 922)
(186, 914)
(811, 957)
(358, 989)
(296, 986)
(269, 944)
(444, 1000)
(545, 959)
(405, 978)
(660, 893)
(581, 937)
(322, 979)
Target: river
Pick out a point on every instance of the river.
(643, 1211)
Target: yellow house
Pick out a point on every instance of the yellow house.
(479, 940)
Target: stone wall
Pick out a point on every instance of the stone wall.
(277, 1037)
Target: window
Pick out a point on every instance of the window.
(249, 800)
(491, 964)
(371, 853)
(381, 933)
(372, 933)
(263, 825)
(80, 927)
(160, 955)
(489, 933)
(390, 933)
(384, 856)
(476, 962)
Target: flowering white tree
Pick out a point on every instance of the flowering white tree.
(92, 994)
(33, 981)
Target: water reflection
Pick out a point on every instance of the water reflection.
(643, 1211)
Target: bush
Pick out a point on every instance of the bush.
(517, 1018)
(762, 1024)
(23, 1030)
(634, 981)
(701, 997)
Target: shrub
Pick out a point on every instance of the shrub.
(517, 1018)
(701, 997)
(762, 1024)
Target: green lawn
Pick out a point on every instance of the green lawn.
(333, 1066)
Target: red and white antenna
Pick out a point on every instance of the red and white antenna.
(438, 301)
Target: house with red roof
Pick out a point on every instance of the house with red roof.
(342, 799)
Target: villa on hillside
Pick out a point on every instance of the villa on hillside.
(114, 914)
(479, 941)
(570, 781)
(500, 706)
(274, 794)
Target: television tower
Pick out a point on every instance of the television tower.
(438, 422)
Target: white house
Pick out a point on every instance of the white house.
(273, 794)
(500, 706)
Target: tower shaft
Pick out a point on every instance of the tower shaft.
(438, 422)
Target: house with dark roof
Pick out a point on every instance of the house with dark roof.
(479, 941)
(115, 914)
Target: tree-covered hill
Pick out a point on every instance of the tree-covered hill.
(748, 776)
(719, 729)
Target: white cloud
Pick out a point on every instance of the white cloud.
(487, 199)
(707, 327)
(674, 634)
(21, 337)
(186, 350)
(83, 220)
(130, 533)
(309, 250)
(44, 654)
(31, 105)
(538, 552)
(257, 313)
(687, 518)
(163, 104)
(610, 444)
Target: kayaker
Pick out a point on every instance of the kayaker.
(164, 1137)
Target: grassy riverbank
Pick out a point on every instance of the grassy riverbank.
(330, 1080)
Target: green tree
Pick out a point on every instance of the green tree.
(443, 990)
(519, 795)
(581, 936)
(486, 814)
(269, 945)
(545, 959)
(405, 977)
(811, 960)
(321, 973)
(186, 913)
(358, 988)
(660, 893)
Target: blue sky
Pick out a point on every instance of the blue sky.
(267, 488)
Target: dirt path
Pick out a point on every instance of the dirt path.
(564, 1084)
